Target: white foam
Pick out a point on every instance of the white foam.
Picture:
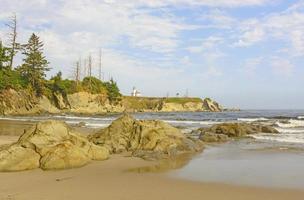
(96, 125)
(252, 119)
(286, 138)
(191, 122)
(301, 117)
(292, 123)
(288, 130)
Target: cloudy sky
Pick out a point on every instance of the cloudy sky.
(243, 53)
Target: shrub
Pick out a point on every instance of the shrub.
(11, 79)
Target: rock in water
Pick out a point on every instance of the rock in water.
(50, 145)
(145, 138)
(217, 133)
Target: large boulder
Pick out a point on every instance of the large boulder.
(144, 138)
(50, 145)
(17, 158)
(216, 132)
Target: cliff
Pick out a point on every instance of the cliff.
(24, 103)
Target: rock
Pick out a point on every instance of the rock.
(64, 156)
(210, 105)
(54, 145)
(233, 130)
(144, 138)
(17, 158)
(212, 137)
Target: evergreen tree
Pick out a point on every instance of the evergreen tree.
(113, 91)
(35, 65)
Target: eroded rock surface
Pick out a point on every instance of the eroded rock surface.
(149, 139)
(50, 145)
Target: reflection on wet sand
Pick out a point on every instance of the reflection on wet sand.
(166, 164)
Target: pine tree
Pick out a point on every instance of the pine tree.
(35, 65)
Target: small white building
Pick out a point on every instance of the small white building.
(135, 93)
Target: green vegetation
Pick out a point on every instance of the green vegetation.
(182, 100)
(140, 103)
(35, 65)
(11, 79)
(31, 74)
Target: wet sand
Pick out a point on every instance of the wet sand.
(116, 179)
(110, 180)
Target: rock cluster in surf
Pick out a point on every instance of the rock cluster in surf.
(221, 132)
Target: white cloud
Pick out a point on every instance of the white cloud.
(282, 66)
(206, 45)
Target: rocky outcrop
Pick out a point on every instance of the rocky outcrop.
(186, 107)
(149, 139)
(86, 103)
(50, 145)
(221, 132)
(210, 105)
(22, 103)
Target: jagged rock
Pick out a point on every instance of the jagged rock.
(212, 137)
(210, 105)
(234, 130)
(144, 137)
(55, 145)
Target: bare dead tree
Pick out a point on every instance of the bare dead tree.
(12, 37)
(77, 72)
(90, 66)
(100, 73)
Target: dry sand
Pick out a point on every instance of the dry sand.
(112, 180)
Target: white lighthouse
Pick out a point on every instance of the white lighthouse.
(135, 93)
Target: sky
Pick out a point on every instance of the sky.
(247, 54)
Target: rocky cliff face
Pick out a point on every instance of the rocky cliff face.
(24, 103)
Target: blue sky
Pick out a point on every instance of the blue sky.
(243, 53)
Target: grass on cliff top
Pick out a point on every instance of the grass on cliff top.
(183, 100)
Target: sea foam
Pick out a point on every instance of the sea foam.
(252, 119)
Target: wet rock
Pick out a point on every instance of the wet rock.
(218, 132)
(213, 137)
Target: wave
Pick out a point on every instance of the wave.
(252, 119)
(285, 138)
(83, 118)
(301, 117)
(96, 125)
(191, 122)
(292, 123)
(288, 130)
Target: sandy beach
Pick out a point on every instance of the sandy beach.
(109, 180)
(113, 180)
